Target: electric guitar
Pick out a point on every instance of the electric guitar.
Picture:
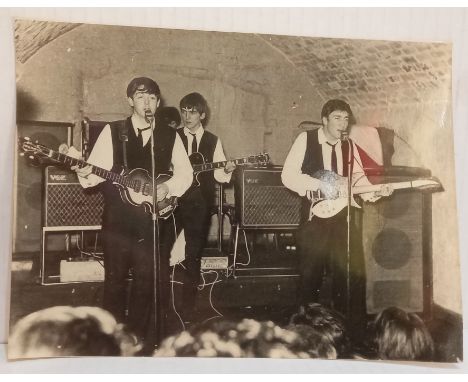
(334, 198)
(199, 165)
(135, 186)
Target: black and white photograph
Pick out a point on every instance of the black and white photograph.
(232, 194)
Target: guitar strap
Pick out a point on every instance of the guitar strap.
(347, 148)
(351, 157)
(123, 137)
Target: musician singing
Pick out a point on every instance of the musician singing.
(127, 229)
(322, 241)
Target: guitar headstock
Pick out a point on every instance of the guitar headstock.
(32, 150)
(428, 184)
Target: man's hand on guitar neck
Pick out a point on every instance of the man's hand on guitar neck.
(74, 153)
(83, 172)
(385, 190)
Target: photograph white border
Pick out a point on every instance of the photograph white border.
(429, 25)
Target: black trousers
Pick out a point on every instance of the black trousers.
(193, 216)
(128, 244)
(323, 242)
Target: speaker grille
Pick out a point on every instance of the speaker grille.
(393, 239)
(270, 205)
(68, 204)
(263, 202)
(392, 248)
(393, 293)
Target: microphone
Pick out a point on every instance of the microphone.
(344, 136)
(148, 116)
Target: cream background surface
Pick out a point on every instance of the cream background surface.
(445, 25)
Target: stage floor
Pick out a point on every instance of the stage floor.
(265, 289)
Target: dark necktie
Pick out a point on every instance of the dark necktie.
(140, 135)
(194, 143)
(334, 162)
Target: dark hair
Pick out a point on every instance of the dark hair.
(195, 101)
(247, 338)
(167, 114)
(402, 336)
(69, 331)
(143, 84)
(327, 322)
(337, 104)
(318, 345)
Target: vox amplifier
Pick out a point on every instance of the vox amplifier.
(263, 202)
(67, 204)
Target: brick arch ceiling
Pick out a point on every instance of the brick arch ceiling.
(368, 73)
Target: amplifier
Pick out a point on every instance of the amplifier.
(217, 262)
(263, 202)
(80, 271)
(66, 203)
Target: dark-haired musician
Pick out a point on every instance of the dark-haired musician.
(127, 229)
(324, 239)
(194, 211)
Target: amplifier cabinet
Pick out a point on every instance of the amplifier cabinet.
(28, 203)
(397, 248)
(67, 204)
(263, 202)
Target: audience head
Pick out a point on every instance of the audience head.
(317, 345)
(168, 116)
(247, 338)
(63, 331)
(328, 323)
(402, 336)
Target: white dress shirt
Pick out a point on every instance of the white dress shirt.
(218, 155)
(102, 156)
(293, 177)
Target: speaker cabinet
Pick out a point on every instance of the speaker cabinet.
(263, 202)
(90, 131)
(397, 248)
(28, 184)
(67, 204)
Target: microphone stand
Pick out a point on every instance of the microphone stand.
(349, 165)
(156, 256)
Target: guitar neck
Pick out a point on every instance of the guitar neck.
(70, 161)
(215, 165)
(377, 187)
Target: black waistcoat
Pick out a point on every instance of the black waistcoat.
(206, 147)
(313, 162)
(137, 157)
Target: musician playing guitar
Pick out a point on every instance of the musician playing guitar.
(193, 213)
(324, 240)
(128, 229)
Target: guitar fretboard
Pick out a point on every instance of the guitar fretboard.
(109, 175)
(377, 187)
(215, 165)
